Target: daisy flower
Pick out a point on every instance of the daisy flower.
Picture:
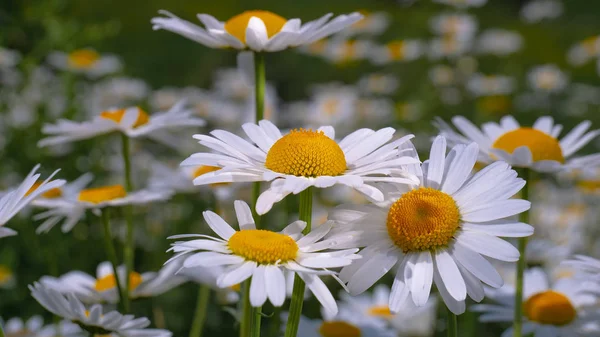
(85, 61)
(550, 310)
(537, 147)
(437, 232)
(17, 327)
(72, 208)
(538, 10)
(256, 30)
(488, 85)
(547, 78)
(7, 278)
(133, 122)
(103, 287)
(93, 319)
(372, 23)
(397, 51)
(409, 321)
(15, 200)
(499, 42)
(587, 265)
(9, 58)
(264, 256)
(584, 51)
(303, 158)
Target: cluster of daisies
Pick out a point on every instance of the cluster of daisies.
(405, 226)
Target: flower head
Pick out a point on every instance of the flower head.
(437, 232)
(257, 30)
(85, 61)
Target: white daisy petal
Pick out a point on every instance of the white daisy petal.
(450, 275)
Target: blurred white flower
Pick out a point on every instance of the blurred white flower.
(538, 10)
(489, 85)
(461, 27)
(7, 278)
(547, 78)
(344, 51)
(396, 51)
(372, 23)
(85, 61)
(584, 51)
(442, 75)
(378, 84)
(448, 47)
(498, 42)
(9, 58)
(462, 3)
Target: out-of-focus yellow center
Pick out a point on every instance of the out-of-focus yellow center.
(102, 194)
(396, 50)
(306, 153)
(591, 45)
(117, 115)
(237, 25)
(109, 282)
(5, 274)
(50, 194)
(236, 287)
(317, 47)
(550, 307)
(541, 145)
(339, 329)
(589, 186)
(547, 80)
(380, 311)
(423, 219)
(494, 105)
(262, 246)
(330, 106)
(83, 58)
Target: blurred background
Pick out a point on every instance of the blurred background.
(404, 64)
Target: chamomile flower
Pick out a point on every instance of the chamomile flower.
(538, 10)
(257, 30)
(547, 78)
(537, 147)
(587, 265)
(103, 288)
(93, 319)
(550, 310)
(264, 256)
(72, 208)
(9, 58)
(584, 51)
(499, 42)
(303, 158)
(437, 232)
(17, 327)
(372, 23)
(133, 122)
(343, 324)
(397, 51)
(378, 84)
(461, 27)
(15, 200)
(7, 278)
(490, 85)
(85, 61)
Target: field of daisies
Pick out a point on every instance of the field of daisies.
(410, 168)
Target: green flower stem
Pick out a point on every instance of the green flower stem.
(201, 309)
(256, 317)
(522, 263)
(246, 321)
(112, 253)
(452, 324)
(259, 101)
(129, 250)
(291, 328)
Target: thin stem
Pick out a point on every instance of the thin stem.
(246, 322)
(200, 314)
(256, 317)
(452, 324)
(259, 101)
(291, 328)
(129, 250)
(112, 253)
(522, 263)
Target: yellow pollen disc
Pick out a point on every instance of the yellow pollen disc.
(380, 311)
(237, 25)
(541, 145)
(423, 219)
(550, 307)
(396, 50)
(5, 274)
(339, 329)
(109, 282)
(262, 246)
(50, 194)
(306, 153)
(101, 194)
(588, 186)
(83, 58)
(117, 115)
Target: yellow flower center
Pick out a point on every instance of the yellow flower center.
(588, 186)
(102, 194)
(550, 307)
(396, 50)
(591, 45)
(5, 274)
(380, 311)
(306, 153)
(262, 246)
(236, 287)
(109, 282)
(423, 219)
(83, 58)
(339, 329)
(541, 145)
(237, 25)
(117, 115)
(50, 194)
